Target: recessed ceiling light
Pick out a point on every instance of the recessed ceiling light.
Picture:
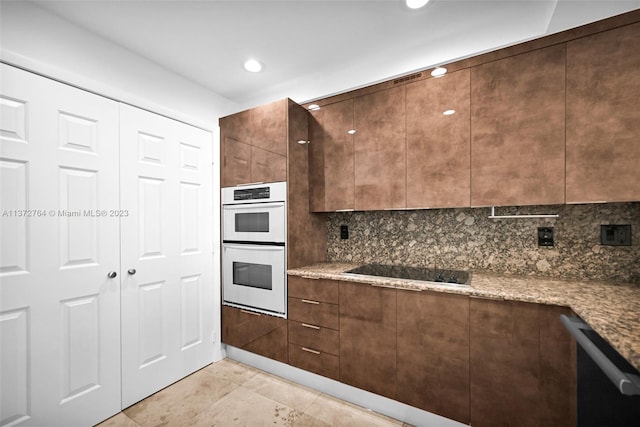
(253, 66)
(351, 131)
(313, 107)
(302, 142)
(449, 112)
(416, 4)
(439, 72)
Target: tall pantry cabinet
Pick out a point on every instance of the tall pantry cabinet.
(106, 262)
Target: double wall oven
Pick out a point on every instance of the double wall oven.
(253, 247)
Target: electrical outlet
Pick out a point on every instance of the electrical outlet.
(545, 236)
(344, 232)
(615, 235)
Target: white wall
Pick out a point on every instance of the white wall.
(37, 40)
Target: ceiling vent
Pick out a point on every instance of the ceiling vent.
(407, 78)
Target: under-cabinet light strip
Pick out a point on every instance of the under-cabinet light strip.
(494, 216)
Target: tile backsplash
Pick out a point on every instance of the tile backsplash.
(468, 239)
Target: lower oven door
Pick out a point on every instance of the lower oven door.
(254, 277)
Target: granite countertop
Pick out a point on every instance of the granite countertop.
(611, 309)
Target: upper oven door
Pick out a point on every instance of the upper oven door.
(254, 222)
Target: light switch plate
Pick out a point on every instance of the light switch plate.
(545, 236)
(344, 232)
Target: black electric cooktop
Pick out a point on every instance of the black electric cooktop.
(439, 275)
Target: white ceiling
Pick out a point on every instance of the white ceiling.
(312, 48)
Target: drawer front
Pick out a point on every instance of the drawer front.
(313, 289)
(314, 313)
(311, 336)
(314, 361)
(254, 332)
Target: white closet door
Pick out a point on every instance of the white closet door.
(59, 312)
(167, 305)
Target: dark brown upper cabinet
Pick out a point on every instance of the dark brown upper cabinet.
(518, 129)
(380, 150)
(603, 128)
(254, 145)
(331, 173)
(438, 153)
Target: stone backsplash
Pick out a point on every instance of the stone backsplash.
(468, 239)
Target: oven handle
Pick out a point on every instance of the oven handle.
(628, 384)
(267, 246)
(239, 243)
(252, 205)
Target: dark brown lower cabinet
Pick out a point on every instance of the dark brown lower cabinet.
(557, 369)
(522, 371)
(433, 352)
(478, 361)
(258, 333)
(318, 362)
(368, 338)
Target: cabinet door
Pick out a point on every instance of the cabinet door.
(267, 166)
(380, 150)
(267, 127)
(603, 118)
(331, 167)
(504, 360)
(557, 369)
(517, 129)
(368, 338)
(433, 352)
(236, 162)
(438, 156)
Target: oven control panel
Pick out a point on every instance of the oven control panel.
(252, 193)
(255, 193)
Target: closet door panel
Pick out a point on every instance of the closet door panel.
(167, 304)
(59, 310)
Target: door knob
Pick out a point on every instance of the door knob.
(112, 274)
(131, 271)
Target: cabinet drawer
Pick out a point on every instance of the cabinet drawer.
(258, 333)
(314, 312)
(313, 289)
(314, 361)
(316, 337)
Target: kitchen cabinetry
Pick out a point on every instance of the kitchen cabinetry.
(368, 338)
(603, 88)
(258, 333)
(306, 231)
(517, 129)
(254, 145)
(433, 352)
(380, 150)
(314, 338)
(331, 161)
(521, 363)
(438, 151)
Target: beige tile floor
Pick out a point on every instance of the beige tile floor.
(229, 393)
